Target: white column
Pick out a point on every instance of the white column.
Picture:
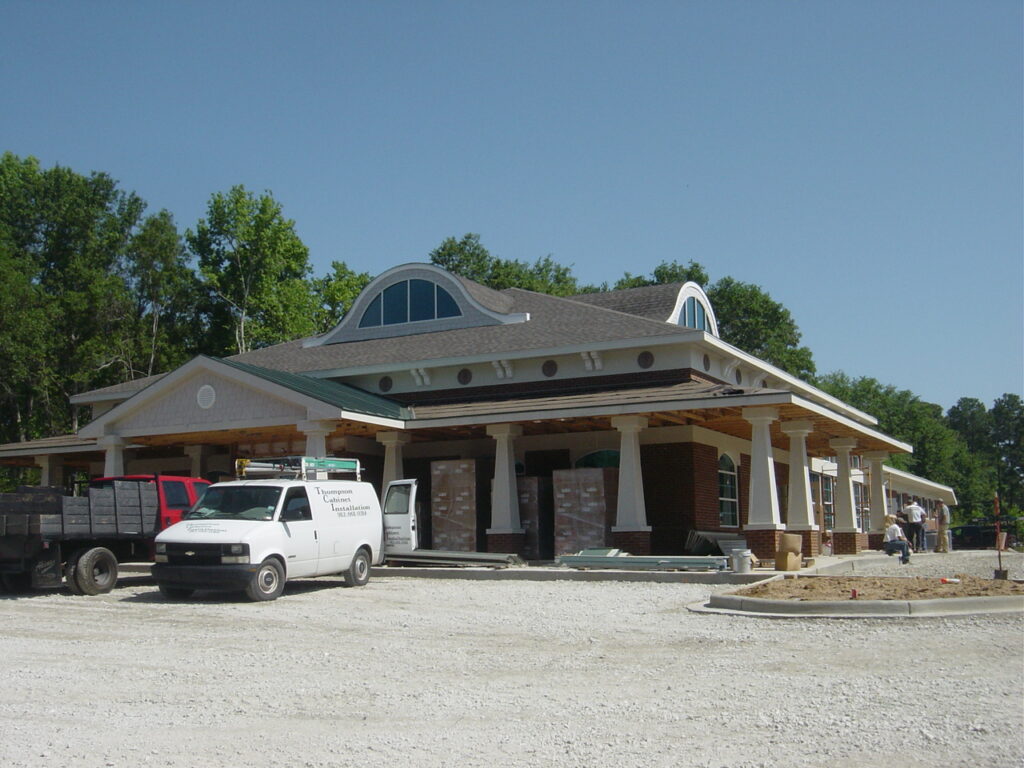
(393, 459)
(316, 433)
(632, 509)
(801, 508)
(504, 493)
(763, 514)
(197, 455)
(51, 469)
(113, 459)
(879, 507)
(846, 518)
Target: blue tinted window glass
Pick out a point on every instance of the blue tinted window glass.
(446, 306)
(396, 303)
(421, 300)
(689, 312)
(371, 317)
(701, 323)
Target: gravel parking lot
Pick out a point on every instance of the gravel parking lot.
(432, 672)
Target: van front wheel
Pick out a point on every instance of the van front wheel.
(358, 572)
(268, 581)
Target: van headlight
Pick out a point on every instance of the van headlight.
(160, 551)
(234, 553)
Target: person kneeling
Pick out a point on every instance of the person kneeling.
(895, 541)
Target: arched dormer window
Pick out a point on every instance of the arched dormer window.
(409, 301)
(693, 310)
(413, 299)
(694, 315)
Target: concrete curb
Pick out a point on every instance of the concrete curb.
(534, 573)
(859, 609)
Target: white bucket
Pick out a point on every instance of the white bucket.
(741, 561)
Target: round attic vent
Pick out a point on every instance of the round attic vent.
(206, 397)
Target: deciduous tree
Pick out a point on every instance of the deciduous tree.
(256, 270)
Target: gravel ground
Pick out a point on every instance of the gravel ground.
(431, 672)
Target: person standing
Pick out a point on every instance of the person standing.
(915, 524)
(942, 518)
(895, 541)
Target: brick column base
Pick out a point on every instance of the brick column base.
(634, 542)
(811, 543)
(507, 543)
(849, 543)
(875, 540)
(764, 544)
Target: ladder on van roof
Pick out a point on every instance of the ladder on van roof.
(296, 468)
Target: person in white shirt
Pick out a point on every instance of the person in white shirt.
(895, 541)
(915, 528)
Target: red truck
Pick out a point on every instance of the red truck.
(48, 539)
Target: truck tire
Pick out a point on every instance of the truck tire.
(96, 572)
(175, 593)
(71, 571)
(358, 572)
(268, 581)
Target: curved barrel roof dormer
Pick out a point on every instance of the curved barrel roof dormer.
(419, 298)
(693, 310)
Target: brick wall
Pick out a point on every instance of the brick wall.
(634, 542)
(705, 487)
(513, 543)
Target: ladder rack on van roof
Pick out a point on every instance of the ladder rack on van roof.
(296, 468)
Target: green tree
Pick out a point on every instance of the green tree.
(165, 292)
(750, 319)
(67, 233)
(256, 271)
(1007, 417)
(335, 294)
(664, 273)
(470, 259)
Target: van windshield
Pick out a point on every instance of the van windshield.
(250, 502)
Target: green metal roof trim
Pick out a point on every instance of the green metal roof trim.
(343, 396)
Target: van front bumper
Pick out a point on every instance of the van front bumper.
(216, 577)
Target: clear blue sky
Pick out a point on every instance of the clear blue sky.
(861, 161)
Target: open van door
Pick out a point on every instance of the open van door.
(400, 517)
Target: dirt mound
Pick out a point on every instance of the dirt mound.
(878, 588)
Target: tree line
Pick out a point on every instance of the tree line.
(98, 291)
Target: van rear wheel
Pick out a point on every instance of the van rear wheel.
(358, 572)
(268, 581)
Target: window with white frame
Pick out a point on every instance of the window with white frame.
(861, 506)
(728, 493)
(827, 496)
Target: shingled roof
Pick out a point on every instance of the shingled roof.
(655, 302)
(554, 322)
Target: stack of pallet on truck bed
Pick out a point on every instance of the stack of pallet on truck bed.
(30, 510)
(129, 508)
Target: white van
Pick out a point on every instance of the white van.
(254, 535)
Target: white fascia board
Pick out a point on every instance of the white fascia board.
(525, 354)
(28, 450)
(625, 409)
(799, 385)
(921, 485)
(854, 425)
(88, 399)
(365, 418)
